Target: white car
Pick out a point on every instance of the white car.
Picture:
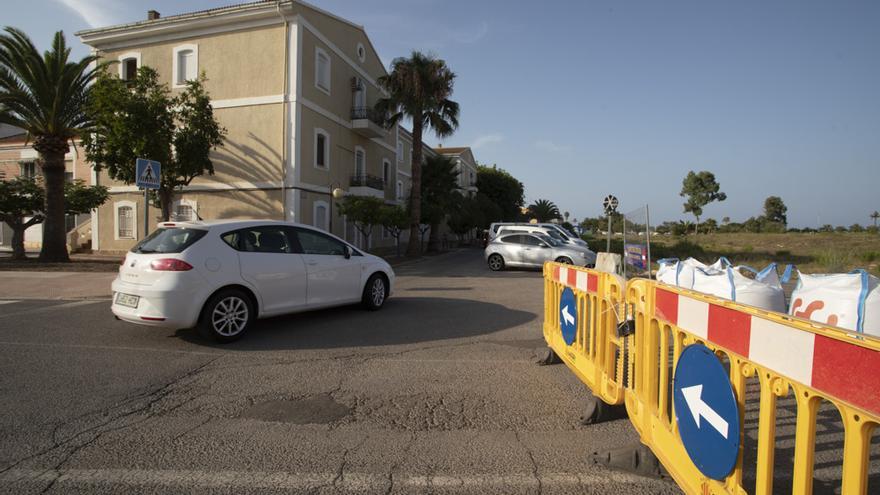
(222, 275)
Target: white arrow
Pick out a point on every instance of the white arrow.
(693, 397)
(566, 316)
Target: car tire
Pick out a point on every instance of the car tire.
(227, 316)
(496, 262)
(564, 260)
(375, 292)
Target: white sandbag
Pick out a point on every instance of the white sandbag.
(678, 273)
(764, 291)
(845, 300)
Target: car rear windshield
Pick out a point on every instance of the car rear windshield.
(168, 240)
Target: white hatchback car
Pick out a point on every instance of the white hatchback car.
(222, 275)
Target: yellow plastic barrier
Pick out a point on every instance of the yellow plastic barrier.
(788, 356)
(596, 355)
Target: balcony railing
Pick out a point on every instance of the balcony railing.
(370, 181)
(368, 113)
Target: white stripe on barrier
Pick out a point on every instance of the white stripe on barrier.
(693, 316)
(582, 281)
(783, 349)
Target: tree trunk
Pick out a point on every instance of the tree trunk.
(414, 248)
(434, 238)
(52, 150)
(18, 229)
(166, 199)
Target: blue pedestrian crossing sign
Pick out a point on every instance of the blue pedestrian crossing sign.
(148, 173)
(706, 411)
(568, 316)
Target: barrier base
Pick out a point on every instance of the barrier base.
(637, 459)
(599, 411)
(547, 356)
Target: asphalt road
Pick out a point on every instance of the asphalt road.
(438, 392)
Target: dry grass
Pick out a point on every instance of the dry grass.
(812, 253)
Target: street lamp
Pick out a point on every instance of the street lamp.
(335, 193)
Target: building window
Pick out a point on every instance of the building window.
(322, 70)
(322, 149)
(361, 52)
(360, 162)
(386, 171)
(128, 65)
(320, 218)
(399, 152)
(400, 195)
(126, 220)
(185, 210)
(186, 64)
(28, 169)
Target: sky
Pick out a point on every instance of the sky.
(583, 99)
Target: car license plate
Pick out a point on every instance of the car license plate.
(127, 300)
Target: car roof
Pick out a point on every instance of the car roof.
(229, 223)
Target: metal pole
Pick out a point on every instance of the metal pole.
(623, 252)
(146, 212)
(648, 237)
(608, 244)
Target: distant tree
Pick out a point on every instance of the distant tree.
(44, 95)
(394, 220)
(566, 216)
(840, 228)
(568, 226)
(775, 209)
(544, 210)
(140, 118)
(875, 216)
(753, 224)
(464, 216)
(710, 225)
(826, 228)
(856, 228)
(364, 212)
(439, 190)
(725, 220)
(700, 189)
(23, 197)
(418, 89)
(502, 189)
(873, 229)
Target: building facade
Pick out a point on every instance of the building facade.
(294, 86)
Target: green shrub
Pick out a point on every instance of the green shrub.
(784, 253)
(834, 261)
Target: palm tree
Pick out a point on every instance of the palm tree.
(875, 216)
(439, 193)
(544, 210)
(419, 88)
(45, 96)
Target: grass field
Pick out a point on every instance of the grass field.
(832, 252)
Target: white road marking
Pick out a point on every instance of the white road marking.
(302, 481)
(54, 307)
(7, 301)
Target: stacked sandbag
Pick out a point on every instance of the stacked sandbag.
(846, 300)
(723, 280)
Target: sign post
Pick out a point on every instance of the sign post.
(610, 205)
(706, 412)
(148, 175)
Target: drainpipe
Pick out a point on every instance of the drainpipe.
(284, 110)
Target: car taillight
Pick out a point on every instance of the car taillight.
(170, 265)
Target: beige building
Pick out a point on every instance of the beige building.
(294, 86)
(465, 165)
(18, 158)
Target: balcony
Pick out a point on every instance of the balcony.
(367, 185)
(366, 122)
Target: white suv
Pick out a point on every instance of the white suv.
(222, 275)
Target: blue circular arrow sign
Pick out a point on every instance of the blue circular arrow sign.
(706, 411)
(568, 316)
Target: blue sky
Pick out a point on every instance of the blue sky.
(581, 99)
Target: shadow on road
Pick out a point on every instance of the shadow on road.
(403, 320)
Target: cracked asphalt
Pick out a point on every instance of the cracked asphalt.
(436, 393)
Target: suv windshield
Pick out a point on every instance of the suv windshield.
(168, 240)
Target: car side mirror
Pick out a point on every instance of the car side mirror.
(347, 252)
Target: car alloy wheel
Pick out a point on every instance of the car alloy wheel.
(377, 292)
(496, 262)
(229, 316)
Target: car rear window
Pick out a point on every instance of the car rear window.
(169, 240)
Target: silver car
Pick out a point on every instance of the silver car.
(532, 250)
